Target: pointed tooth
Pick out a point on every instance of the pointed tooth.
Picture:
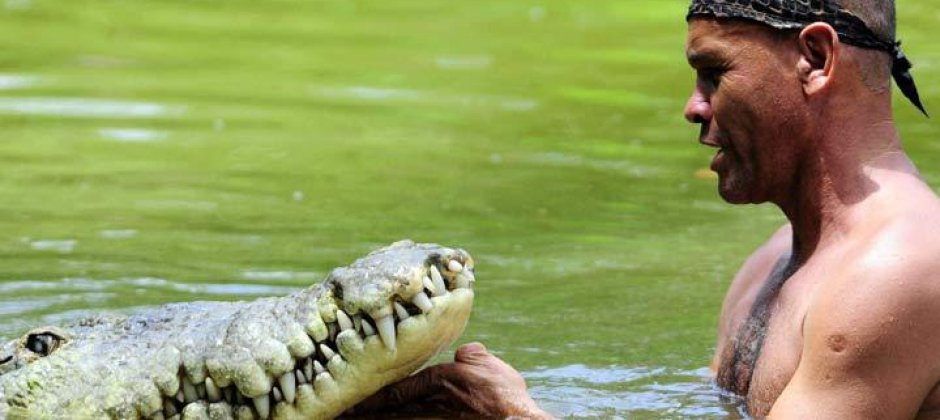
(288, 385)
(428, 284)
(212, 391)
(299, 376)
(229, 394)
(327, 352)
(180, 397)
(318, 367)
(439, 287)
(277, 395)
(455, 266)
(421, 301)
(357, 322)
(308, 370)
(344, 322)
(263, 405)
(401, 311)
(189, 391)
(465, 279)
(367, 329)
(333, 330)
(386, 328)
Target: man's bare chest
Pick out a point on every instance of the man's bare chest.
(761, 355)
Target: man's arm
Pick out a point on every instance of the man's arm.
(870, 348)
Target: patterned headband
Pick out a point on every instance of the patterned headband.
(797, 14)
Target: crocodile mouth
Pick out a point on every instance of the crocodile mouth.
(354, 353)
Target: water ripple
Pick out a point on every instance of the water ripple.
(616, 392)
(84, 107)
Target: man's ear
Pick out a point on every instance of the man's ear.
(819, 52)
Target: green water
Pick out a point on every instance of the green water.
(159, 151)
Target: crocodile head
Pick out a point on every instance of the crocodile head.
(312, 354)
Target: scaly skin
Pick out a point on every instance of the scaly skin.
(242, 359)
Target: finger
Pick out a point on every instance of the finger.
(414, 387)
(471, 352)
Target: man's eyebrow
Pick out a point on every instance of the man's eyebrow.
(702, 58)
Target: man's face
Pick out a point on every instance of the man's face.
(748, 99)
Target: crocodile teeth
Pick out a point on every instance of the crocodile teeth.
(277, 395)
(386, 328)
(357, 322)
(318, 367)
(344, 322)
(189, 391)
(327, 352)
(439, 287)
(455, 266)
(428, 284)
(263, 405)
(465, 279)
(288, 384)
(179, 396)
(401, 311)
(212, 391)
(308, 370)
(367, 329)
(421, 301)
(301, 379)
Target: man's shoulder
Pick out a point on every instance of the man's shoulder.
(905, 246)
(892, 273)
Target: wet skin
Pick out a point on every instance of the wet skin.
(832, 318)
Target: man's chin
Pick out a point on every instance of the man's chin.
(733, 194)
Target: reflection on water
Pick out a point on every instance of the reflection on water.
(84, 108)
(13, 81)
(379, 94)
(59, 245)
(264, 275)
(579, 391)
(118, 233)
(131, 135)
(477, 62)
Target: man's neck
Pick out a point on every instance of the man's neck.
(835, 177)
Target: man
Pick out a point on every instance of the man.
(838, 315)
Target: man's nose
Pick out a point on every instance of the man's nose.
(698, 109)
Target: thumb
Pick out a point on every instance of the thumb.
(471, 352)
(417, 386)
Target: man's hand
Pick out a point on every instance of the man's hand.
(476, 382)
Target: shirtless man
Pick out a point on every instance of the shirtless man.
(837, 316)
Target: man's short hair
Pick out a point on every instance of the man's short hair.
(878, 15)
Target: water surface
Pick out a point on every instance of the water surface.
(177, 150)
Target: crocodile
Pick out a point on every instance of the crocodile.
(312, 354)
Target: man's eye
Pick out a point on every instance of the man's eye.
(710, 76)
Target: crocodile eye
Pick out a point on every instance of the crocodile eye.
(43, 344)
